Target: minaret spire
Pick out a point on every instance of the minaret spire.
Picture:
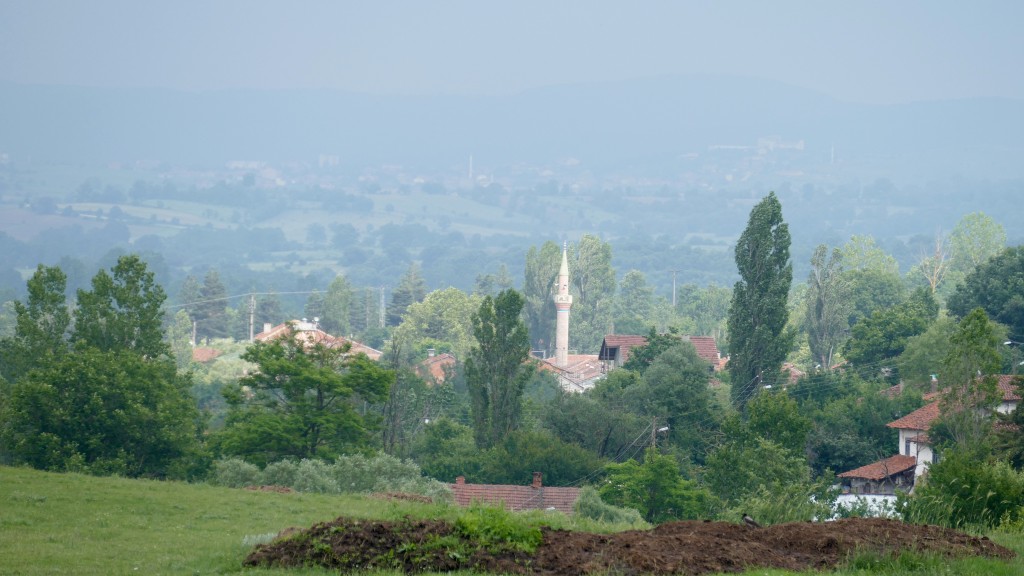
(563, 301)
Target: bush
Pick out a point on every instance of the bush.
(589, 505)
(281, 473)
(315, 476)
(497, 529)
(798, 502)
(234, 473)
(962, 491)
(356, 473)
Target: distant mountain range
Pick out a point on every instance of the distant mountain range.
(638, 127)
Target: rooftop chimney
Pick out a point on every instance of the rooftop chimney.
(267, 327)
(536, 479)
(460, 480)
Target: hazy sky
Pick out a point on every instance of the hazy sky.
(872, 51)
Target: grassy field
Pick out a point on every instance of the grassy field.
(74, 524)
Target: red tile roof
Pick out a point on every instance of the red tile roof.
(624, 342)
(922, 418)
(883, 468)
(919, 419)
(435, 366)
(705, 346)
(514, 498)
(579, 372)
(314, 335)
(204, 354)
(1007, 385)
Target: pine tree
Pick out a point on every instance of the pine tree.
(210, 313)
(412, 288)
(758, 339)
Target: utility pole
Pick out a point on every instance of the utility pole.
(673, 288)
(382, 306)
(252, 316)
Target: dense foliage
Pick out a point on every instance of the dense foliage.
(758, 339)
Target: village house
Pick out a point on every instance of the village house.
(915, 448)
(311, 333)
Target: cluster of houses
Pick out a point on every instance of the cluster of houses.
(580, 372)
(914, 448)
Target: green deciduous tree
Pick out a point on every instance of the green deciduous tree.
(775, 416)
(112, 403)
(496, 370)
(675, 390)
(122, 311)
(41, 328)
(758, 340)
(301, 402)
(442, 320)
(656, 489)
(997, 286)
(880, 338)
(828, 306)
(104, 412)
(538, 288)
(634, 305)
(337, 308)
(975, 239)
(873, 277)
(592, 284)
(969, 374)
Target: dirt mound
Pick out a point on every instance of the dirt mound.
(673, 548)
(278, 489)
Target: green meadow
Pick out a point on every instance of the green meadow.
(74, 524)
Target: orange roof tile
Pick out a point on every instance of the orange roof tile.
(624, 342)
(706, 348)
(434, 366)
(883, 468)
(919, 419)
(314, 335)
(204, 354)
(1008, 387)
(516, 498)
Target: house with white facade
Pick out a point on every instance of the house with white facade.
(915, 447)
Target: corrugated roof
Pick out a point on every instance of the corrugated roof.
(883, 468)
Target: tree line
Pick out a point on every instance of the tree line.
(702, 444)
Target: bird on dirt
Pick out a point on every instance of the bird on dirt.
(750, 521)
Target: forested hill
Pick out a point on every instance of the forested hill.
(646, 127)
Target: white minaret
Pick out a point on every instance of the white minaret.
(563, 301)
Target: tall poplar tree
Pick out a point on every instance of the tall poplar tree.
(496, 370)
(828, 306)
(758, 339)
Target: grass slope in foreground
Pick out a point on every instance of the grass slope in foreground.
(74, 524)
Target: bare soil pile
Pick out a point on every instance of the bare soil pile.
(673, 548)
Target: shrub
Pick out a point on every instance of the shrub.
(315, 476)
(589, 505)
(497, 529)
(962, 491)
(234, 473)
(281, 473)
